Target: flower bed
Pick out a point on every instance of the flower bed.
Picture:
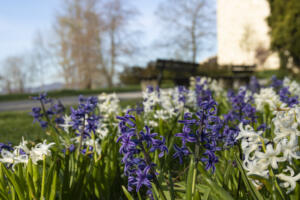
(201, 142)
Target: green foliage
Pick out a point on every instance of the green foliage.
(285, 28)
(267, 74)
(134, 75)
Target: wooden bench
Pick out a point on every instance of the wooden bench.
(180, 70)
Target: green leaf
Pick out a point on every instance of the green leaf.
(35, 177)
(155, 192)
(139, 195)
(30, 186)
(127, 194)
(227, 173)
(52, 172)
(3, 196)
(263, 180)
(66, 176)
(171, 186)
(29, 179)
(206, 194)
(205, 190)
(53, 186)
(43, 178)
(219, 191)
(190, 181)
(14, 181)
(2, 181)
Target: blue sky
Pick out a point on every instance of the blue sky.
(20, 20)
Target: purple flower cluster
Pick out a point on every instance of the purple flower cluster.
(43, 98)
(71, 148)
(241, 108)
(254, 85)
(203, 129)
(276, 83)
(38, 117)
(283, 92)
(84, 120)
(241, 112)
(203, 93)
(182, 93)
(286, 97)
(136, 148)
(55, 110)
(7, 147)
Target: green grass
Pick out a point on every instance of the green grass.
(14, 125)
(267, 74)
(65, 92)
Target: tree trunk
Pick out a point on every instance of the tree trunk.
(109, 81)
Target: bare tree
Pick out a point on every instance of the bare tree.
(261, 54)
(116, 15)
(93, 39)
(41, 57)
(187, 23)
(78, 30)
(16, 74)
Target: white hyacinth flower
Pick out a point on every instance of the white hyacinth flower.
(152, 123)
(7, 157)
(267, 96)
(66, 125)
(248, 133)
(161, 114)
(251, 140)
(40, 150)
(256, 168)
(150, 99)
(217, 88)
(23, 146)
(289, 181)
(12, 157)
(290, 148)
(108, 104)
(286, 131)
(285, 125)
(102, 130)
(271, 155)
(294, 87)
(191, 99)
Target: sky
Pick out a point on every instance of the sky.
(20, 20)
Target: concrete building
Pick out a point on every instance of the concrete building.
(243, 37)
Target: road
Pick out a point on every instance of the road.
(26, 105)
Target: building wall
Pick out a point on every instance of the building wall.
(243, 32)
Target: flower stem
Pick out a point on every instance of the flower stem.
(43, 178)
(50, 123)
(81, 136)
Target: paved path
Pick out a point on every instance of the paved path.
(26, 105)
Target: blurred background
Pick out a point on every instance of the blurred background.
(72, 47)
(88, 45)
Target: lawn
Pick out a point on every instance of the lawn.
(14, 125)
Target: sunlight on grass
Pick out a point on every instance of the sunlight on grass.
(14, 125)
